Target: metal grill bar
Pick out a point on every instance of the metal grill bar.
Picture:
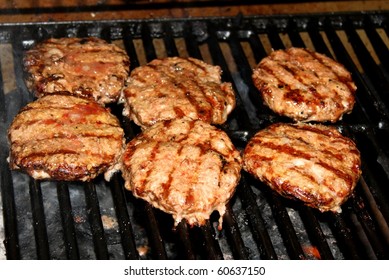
(65, 206)
(211, 247)
(94, 215)
(126, 232)
(156, 240)
(369, 65)
(2, 99)
(258, 226)
(234, 235)
(316, 233)
(369, 226)
(185, 241)
(344, 237)
(11, 241)
(377, 43)
(287, 230)
(39, 223)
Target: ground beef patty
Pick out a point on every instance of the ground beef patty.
(88, 67)
(175, 87)
(305, 85)
(63, 137)
(313, 163)
(187, 168)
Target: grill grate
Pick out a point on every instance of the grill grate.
(100, 220)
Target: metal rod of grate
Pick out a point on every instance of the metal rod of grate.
(258, 224)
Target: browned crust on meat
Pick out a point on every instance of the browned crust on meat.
(63, 137)
(305, 85)
(184, 167)
(88, 67)
(175, 87)
(312, 163)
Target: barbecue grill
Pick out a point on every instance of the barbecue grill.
(101, 220)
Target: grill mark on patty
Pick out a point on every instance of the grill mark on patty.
(297, 153)
(202, 112)
(209, 99)
(342, 79)
(335, 139)
(322, 63)
(297, 95)
(81, 137)
(60, 124)
(139, 191)
(166, 186)
(197, 65)
(84, 108)
(290, 191)
(328, 68)
(63, 115)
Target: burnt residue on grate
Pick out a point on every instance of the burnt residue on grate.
(101, 220)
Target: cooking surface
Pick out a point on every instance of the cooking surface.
(100, 220)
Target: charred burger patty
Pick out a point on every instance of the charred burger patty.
(175, 87)
(184, 167)
(312, 163)
(305, 85)
(87, 67)
(63, 137)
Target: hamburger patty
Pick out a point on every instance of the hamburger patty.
(63, 137)
(175, 87)
(187, 168)
(87, 67)
(313, 163)
(305, 85)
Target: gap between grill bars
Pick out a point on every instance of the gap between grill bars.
(101, 220)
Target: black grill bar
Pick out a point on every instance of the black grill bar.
(171, 48)
(369, 226)
(2, 100)
(234, 236)
(126, 231)
(345, 237)
(96, 225)
(156, 240)
(211, 247)
(376, 213)
(360, 80)
(286, 227)
(185, 241)
(65, 206)
(316, 233)
(369, 65)
(258, 224)
(39, 221)
(11, 241)
(148, 45)
(377, 43)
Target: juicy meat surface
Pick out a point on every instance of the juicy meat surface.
(312, 163)
(187, 168)
(63, 137)
(305, 85)
(175, 87)
(87, 67)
